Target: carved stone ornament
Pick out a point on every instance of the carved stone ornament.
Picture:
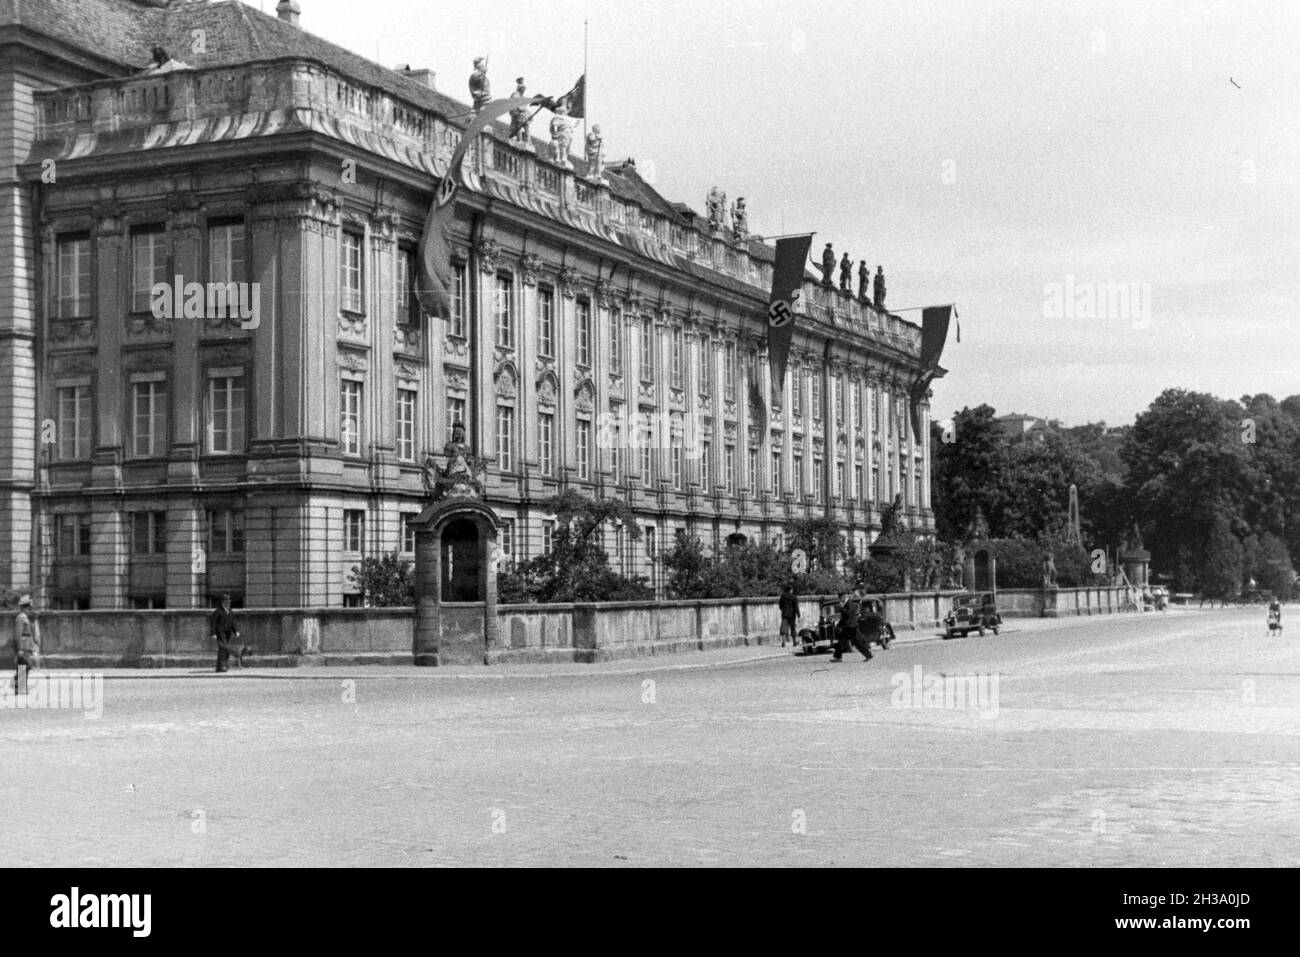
(584, 398)
(408, 371)
(406, 338)
(77, 364)
(72, 330)
(351, 325)
(146, 360)
(506, 383)
(353, 360)
(604, 290)
(455, 348)
(530, 268)
(489, 255)
(148, 325)
(547, 391)
(570, 282)
(457, 379)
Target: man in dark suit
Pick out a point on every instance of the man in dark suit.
(850, 613)
(789, 605)
(225, 632)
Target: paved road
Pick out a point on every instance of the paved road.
(1160, 740)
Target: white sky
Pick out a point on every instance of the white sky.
(1099, 141)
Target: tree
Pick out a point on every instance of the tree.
(385, 581)
(577, 567)
(1221, 564)
(820, 539)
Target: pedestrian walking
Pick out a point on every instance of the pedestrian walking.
(225, 632)
(27, 644)
(789, 605)
(847, 632)
(1275, 617)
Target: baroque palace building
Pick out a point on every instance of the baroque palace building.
(154, 460)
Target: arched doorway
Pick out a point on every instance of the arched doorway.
(461, 561)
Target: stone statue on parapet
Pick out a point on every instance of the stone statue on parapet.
(1132, 542)
(864, 281)
(889, 517)
(739, 220)
(519, 121)
(458, 478)
(480, 90)
(846, 275)
(828, 266)
(1049, 570)
(716, 203)
(595, 154)
(561, 134)
(880, 288)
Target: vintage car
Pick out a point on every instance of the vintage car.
(972, 612)
(872, 626)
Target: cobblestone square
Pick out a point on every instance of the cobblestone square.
(1160, 740)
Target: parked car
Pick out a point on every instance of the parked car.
(972, 612)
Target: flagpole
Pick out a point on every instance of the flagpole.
(586, 81)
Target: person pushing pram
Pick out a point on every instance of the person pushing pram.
(1275, 617)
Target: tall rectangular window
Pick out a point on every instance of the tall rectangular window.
(73, 277)
(227, 261)
(753, 471)
(706, 364)
(459, 300)
(148, 533)
(351, 396)
(148, 264)
(729, 468)
(546, 443)
(856, 392)
(837, 399)
(616, 450)
(815, 397)
(408, 532)
(796, 477)
(729, 371)
(582, 448)
(455, 412)
(545, 321)
(548, 536)
(776, 474)
(840, 488)
(226, 415)
(408, 305)
(678, 368)
(647, 350)
(857, 481)
(74, 422)
(819, 479)
(706, 449)
(72, 534)
(647, 453)
(584, 332)
(407, 401)
(677, 462)
(505, 438)
(352, 290)
(615, 340)
(503, 311)
(148, 418)
(796, 391)
(354, 530)
(225, 531)
(506, 541)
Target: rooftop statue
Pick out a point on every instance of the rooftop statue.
(828, 266)
(480, 90)
(880, 288)
(739, 220)
(595, 153)
(519, 116)
(561, 134)
(846, 274)
(716, 203)
(864, 281)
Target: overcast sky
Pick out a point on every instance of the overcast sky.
(989, 154)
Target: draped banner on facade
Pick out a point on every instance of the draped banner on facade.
(433, 282)
(934, 335)
(787, 280)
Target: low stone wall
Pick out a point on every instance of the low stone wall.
(291, 637)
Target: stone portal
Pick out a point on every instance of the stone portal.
(455, 583)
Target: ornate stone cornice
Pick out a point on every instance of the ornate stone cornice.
(488, 254)
(570, 281)
(530, 268)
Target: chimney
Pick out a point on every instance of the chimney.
(422, 77)
(288, 11)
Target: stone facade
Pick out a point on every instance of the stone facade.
(198, 455)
